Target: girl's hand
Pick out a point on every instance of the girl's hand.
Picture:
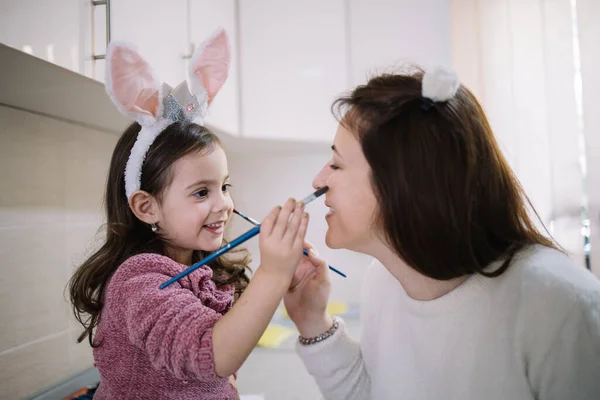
(281, 238)
(232, 381)
(237, 332)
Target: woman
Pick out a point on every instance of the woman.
(468, 299)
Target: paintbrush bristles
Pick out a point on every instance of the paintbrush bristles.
(314, 195)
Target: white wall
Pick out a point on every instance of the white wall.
(51, 189)
(386, 34)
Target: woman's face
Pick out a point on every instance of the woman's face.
(350, 198)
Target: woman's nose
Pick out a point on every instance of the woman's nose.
(321, 178)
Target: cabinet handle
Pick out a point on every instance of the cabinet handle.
(189, 52)
(105, 3)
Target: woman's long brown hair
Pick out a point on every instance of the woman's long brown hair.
(449, 204)
(126, 236)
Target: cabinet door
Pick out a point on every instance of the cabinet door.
(387, 34)
(293, 65)
(158, 29)
(204, 18)
(53, 30)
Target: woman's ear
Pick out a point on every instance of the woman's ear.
(144, 206)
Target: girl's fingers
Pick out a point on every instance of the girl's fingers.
(299, 239)
(266, 227)
(293, 225)
(283, 218)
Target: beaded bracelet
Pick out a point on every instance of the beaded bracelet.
(322, 336)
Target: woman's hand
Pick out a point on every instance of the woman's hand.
(306, 300)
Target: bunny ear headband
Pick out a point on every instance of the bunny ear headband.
(134, 89)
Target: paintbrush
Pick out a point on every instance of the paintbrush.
(234, 243)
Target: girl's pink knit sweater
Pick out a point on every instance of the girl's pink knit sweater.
(157, 344)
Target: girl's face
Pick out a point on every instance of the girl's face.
(350, 198)
(197, 204)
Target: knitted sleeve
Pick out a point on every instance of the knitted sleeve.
(173, 326)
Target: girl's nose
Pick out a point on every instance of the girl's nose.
(223, 203)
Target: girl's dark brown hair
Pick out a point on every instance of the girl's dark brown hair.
(126, 235)
(449, 204)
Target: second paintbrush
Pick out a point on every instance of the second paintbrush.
(256, 223)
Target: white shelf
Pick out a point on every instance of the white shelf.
(32, 84)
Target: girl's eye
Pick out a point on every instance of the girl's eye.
(225, 187)
(201, 193)
(333, 167)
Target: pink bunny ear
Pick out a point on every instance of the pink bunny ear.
(131, 85)
(210, 65)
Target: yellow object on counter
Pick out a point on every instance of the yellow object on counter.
(275, 335)
(333, 308)
(337, 308)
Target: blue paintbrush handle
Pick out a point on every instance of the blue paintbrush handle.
(246, 236)
(236, 242)
(337, 271)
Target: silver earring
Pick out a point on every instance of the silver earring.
(154, 227)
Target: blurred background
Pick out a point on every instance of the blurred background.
(532, 63)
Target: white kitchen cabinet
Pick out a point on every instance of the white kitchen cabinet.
(158, 29)
(204, 18)
(54, 30)
(290, 60)
(167, 33)
(293, 65)
(387, 34)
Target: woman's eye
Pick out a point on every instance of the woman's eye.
(333, 167)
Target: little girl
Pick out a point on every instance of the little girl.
(167, 203)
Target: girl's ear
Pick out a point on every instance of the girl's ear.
(144, 206)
